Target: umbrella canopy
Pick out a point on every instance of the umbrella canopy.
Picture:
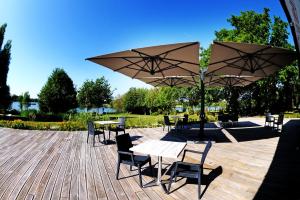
(242, 59)
(229, 80)
(179, 81)
(157, 61)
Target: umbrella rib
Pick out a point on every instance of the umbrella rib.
(259, 66)
(268, 60)
(141, 69)
(158, 67)
(181, 61)
(131, 63)
(177, 65)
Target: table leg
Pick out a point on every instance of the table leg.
(158, 182)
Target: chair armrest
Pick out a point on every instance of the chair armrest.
(183, 163)
(188, 150)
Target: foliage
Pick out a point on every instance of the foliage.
(5, 56)
(24, 100)
(134, 100)
(94, 94)
(58, 95)
(118, 103)
(31, 125)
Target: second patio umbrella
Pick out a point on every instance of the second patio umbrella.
(243, 59)
(229, 80)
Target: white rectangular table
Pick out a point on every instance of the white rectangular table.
(160, 149)
(106, 122)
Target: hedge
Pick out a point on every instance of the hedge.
(32, 125)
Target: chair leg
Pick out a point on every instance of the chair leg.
(130, 168)
(109, 135)
(118, 170)
(99, 138)
(94, 141)
(151, 168)
(140, 176)
(199, 187)
(104, 139)
(170, 182)
(87, 140)
(117, 133)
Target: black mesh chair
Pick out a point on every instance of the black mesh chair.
(167, 123)
(278, 122)
(127, 157)
(184, 122)
(189, 170)
(269, 119)
(93, 132)
(119, 128)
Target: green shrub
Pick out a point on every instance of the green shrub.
(32, 125)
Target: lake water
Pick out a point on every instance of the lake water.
(35, 106)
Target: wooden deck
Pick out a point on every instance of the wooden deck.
(248, 162)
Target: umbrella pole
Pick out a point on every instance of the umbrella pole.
(202, 113)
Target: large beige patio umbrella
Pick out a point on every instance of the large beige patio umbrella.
(243, 59)
(181, 59)
(229, 80)
(178, 81)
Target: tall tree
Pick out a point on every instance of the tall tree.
(93, 94)
(4, 67)
(58, 95)
(134, 100)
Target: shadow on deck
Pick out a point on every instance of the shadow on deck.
(282, 180)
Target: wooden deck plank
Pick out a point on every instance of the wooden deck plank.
(62, 156)
(109, 190)
(39, 182)
(24, 177)
(20, 167)
(57, 190)
(33, 175)
(66, 185)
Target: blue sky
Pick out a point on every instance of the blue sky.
(62, 33)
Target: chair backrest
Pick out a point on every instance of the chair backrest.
(122, 122)
(205, 152)
(166, 120)
(186, 118)
(280, 118)
(91, 128)
(124, 144)
(269, 117)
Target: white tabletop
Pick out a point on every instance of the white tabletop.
(106, 122)
(176, 116)
(160, 148)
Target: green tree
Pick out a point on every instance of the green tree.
(93, 94)
(118, 103)
(4, 67)
(58, 95)
(24, 100)
(134, 101)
